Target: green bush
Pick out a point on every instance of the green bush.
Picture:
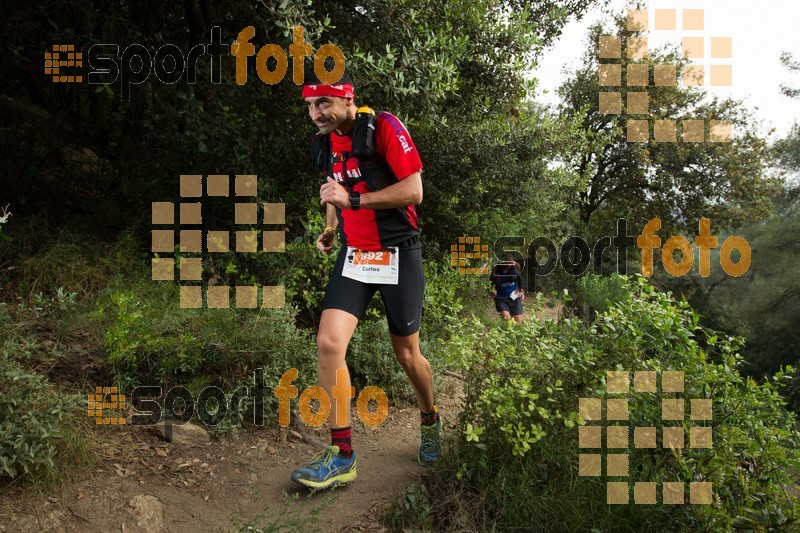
(372, 362)
(149, 340)
(43, 433)
(411, 510)
(597, 293)
(517, 448)
(302, 269)
(445, 290)
(30, 416)
(143, 342)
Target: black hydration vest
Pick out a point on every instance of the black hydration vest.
(374, 169)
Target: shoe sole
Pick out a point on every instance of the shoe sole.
(427, 464)
(335, 481)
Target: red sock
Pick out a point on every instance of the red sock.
(341, 437)
(431, 417)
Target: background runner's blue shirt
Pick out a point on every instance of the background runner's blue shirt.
(505, 284)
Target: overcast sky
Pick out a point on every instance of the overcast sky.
(760, 32)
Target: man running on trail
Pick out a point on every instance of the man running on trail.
(508, 293)
(372, 184)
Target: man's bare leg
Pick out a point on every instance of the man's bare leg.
(418, 370)
(336, 328)
(333, 468)
(416, 367)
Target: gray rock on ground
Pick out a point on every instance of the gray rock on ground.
(182, 433)
(147, 513)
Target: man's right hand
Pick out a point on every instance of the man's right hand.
(325, 241)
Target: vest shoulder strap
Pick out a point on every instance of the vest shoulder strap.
(321, 152)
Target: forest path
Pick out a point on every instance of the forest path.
(141, 483)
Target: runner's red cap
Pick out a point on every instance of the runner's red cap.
(344, 90)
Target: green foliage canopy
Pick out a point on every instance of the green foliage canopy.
(679, 182)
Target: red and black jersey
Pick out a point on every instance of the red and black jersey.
(374, 229)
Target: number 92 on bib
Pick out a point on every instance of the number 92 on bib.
(379, 266)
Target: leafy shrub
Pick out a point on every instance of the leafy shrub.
(43, 306)
(42, 430)
(443, 305)
(372, 362)
(141, 342)
(302, 269)
(30, 416)
(599, 292)
(792, 390)
(518, 445)
(149, 340)
(411, 510)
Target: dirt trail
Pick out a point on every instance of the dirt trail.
(208, 488)
(218, 486)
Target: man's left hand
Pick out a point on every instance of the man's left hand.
(333, 193)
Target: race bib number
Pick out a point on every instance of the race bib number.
(515, 295)
(381, 266)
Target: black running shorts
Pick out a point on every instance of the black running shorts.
(507, 304)
(403, 301)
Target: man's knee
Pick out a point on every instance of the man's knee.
(404, 357)
(406, 353)
(330, 343)
(335, 329)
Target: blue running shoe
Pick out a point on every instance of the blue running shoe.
(430, 447)
(327, 469)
